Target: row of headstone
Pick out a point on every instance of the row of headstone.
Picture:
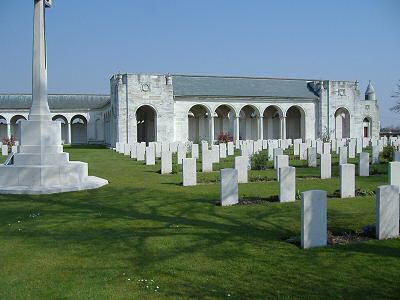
(314, 216)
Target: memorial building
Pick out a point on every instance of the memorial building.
(145, 107)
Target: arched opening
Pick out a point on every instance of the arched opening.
(367, 127)
(224, 121)
(64, 127)
(198, 123)
(146, 124)
(272, 123)
(78, 130)
(248, 123)
(295, 123)
(3, 128)
(16, 126)
(342, 123)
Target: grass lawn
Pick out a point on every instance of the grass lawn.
(144, 230)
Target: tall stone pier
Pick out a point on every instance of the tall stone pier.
(41, 166)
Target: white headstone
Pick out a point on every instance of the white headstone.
(396, 156)
(158, 149)
(14, 149)
(312, 157)
(394, 173)
(229, 187)
(4, 150)
(287, 184)
(318, 147)
(363, 166)
(281, 161)
(352, 149)
(277, 151)
(195, 151)
(231, 149)
(241, 165)
(166, 162)
(347, 181)
(207, 161)
(327, 148)
(387, 212)
(314, 219)
(140, 151)
(189, 172)
(181, 153)
(215, 153)
(133, 150)
(222, 150)
(150, 156)
(303, 151)
(343, 155)
(375, 155)
(127, 149)
(326, 166)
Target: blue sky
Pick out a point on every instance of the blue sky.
(88, 41)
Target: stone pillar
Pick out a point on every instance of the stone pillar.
(283, 128)
(314, 219)
(9, 130)
(69, 137)
(261, 128)
(40, 108)
(236, 128)
(212, 130)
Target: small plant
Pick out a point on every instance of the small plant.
(259, 161)
(388, 153)
(298, 195)
(362, 192)
(9, 141)
(224, 138)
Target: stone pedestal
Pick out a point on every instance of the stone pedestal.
(42, 167)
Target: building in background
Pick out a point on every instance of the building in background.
(146, 108)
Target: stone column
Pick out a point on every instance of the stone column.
(283, 128)
(9, 130)
(211, 130)
(69, 137)
(40, 107)
(261, 128)
(236, 128)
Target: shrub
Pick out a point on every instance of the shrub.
(9, 141)
(259, 161)
(388, 153)
(224, 138)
